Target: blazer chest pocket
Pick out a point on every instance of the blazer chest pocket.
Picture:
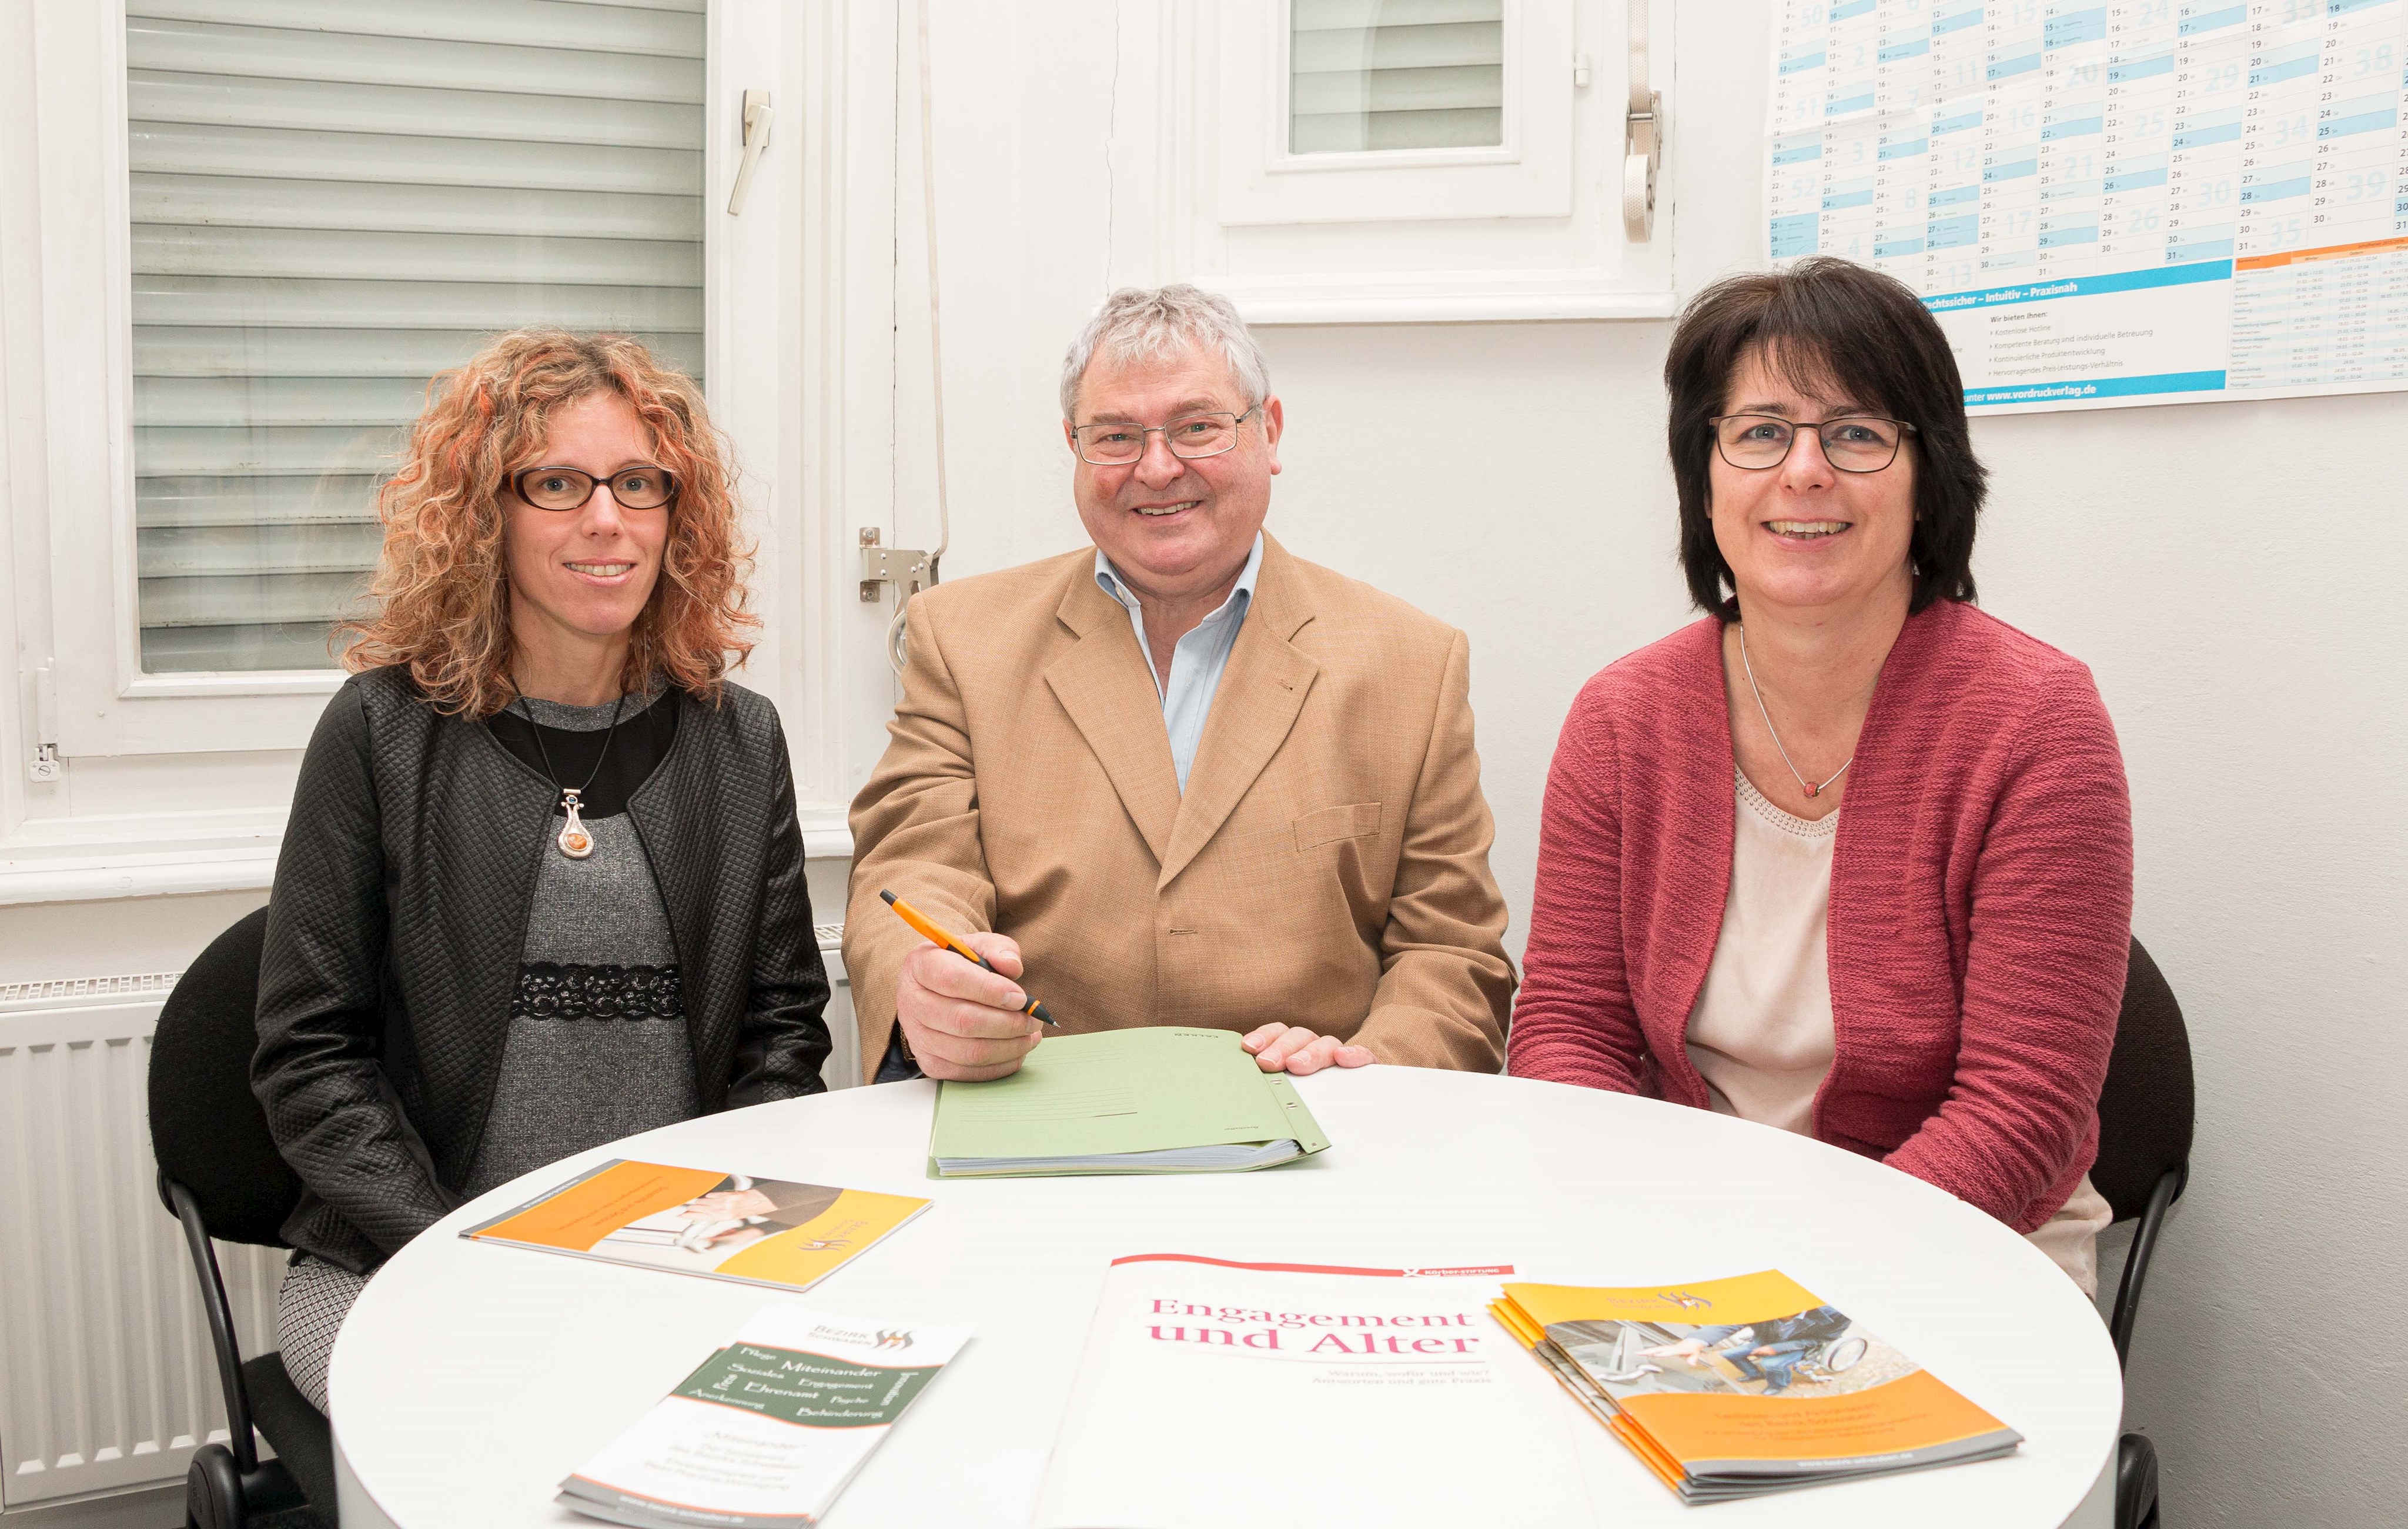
(1351, 821)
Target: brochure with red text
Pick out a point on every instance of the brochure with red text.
(771, 1427)
(704, 1222)
(1214, 1392)
(1732, 1388)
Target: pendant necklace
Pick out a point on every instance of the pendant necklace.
(576, 841)
(1812, 790)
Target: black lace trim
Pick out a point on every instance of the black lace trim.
(553, 990)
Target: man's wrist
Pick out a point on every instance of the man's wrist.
(898, 1066)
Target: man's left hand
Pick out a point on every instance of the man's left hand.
(1295, 1050)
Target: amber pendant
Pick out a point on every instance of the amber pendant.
(576, 841)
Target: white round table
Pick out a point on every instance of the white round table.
(469, 1379)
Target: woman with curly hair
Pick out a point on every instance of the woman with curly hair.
(542, 887)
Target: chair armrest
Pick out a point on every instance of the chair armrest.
(2136, 1262)
(240, 1443)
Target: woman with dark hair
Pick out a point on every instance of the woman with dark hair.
(543, 883)
(1847, 857)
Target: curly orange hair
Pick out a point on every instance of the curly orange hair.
(441, 600)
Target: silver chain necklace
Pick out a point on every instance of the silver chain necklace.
(1811, 789)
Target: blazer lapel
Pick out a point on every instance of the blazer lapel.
(492, 848)
(1104, 685)
(1260, 695)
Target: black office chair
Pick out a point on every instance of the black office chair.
(221, 1176)
(2145, 1132)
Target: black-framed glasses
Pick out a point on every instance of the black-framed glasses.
(1189, 437)
(642, 486)
(1851, 443)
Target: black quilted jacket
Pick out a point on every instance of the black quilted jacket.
(400, 910)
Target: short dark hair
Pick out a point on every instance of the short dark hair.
(1829, 326)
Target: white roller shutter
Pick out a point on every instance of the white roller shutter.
(333, 201)
(1396, 74)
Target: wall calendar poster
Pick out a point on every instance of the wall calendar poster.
(2144, 201)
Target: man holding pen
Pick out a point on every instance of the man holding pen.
(1182, 777)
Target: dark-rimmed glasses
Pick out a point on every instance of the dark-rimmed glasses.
(1851, 443)
(642, 486)
(1189, 437)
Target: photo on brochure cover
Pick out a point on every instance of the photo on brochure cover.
(739, 1211)
(1814, 1352)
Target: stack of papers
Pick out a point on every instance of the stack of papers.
(1733, 1388)
(770, 1429)
(1166, 1101)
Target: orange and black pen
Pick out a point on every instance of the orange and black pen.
(936, 935)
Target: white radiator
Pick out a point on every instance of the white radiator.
(106, 1380)
(842, 1069)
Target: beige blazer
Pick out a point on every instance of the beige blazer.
(1327, 866)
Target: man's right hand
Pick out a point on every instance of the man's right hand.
(961, 1020)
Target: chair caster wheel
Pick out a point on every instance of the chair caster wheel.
(213, 1490)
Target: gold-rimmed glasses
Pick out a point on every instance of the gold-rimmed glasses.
(1117, 443)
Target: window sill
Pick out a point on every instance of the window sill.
(101, 868)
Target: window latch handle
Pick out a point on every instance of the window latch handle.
(757, 114)
(1642, 137)
(43, 765)
(908, 568)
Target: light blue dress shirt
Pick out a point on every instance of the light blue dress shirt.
(1196, 662)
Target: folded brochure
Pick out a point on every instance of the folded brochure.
(704, 1222)
(771, 1427)
(1168, 1099)
(1737, 1387)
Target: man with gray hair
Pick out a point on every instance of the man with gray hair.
(1181, 777)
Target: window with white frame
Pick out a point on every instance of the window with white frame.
(328, 204)
(1406, 74)
(262, 225)
(1309, 134)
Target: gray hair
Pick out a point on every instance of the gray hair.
(1136, 323)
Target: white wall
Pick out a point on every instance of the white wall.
(2217, 565)
(2211, 563)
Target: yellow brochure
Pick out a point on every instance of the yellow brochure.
(1730, 1388)
(704, 1222)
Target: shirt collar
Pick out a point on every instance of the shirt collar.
(1108, 578)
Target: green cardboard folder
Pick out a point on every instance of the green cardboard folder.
(1153, 1101)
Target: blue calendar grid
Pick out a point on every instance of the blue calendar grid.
(2203, 189)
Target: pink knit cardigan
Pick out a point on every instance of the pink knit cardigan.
(1981, 902)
